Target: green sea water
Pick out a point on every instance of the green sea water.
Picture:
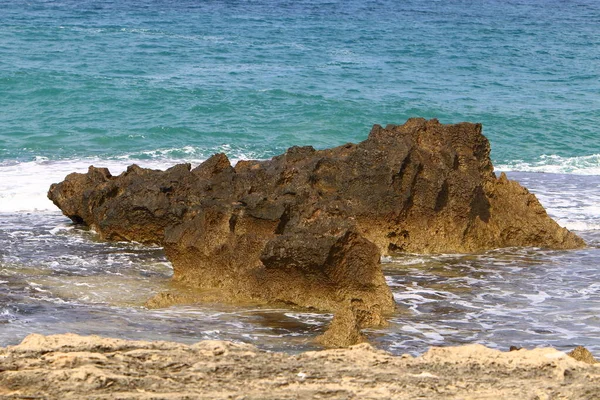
(185, 79)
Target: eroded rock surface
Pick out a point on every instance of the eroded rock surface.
(72, 366)
(307, 227)
(580, 353)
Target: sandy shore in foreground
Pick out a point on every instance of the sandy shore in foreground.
(92, 367)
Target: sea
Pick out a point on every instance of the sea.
(160, 82)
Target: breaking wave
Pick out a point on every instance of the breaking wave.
(582, 165)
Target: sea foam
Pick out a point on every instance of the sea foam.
(582, 165)
(24, 185)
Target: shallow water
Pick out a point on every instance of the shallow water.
(56, 277)
(523, 297)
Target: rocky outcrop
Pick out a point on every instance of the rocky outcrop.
(307, 227)
(580, 353)
(72, 366)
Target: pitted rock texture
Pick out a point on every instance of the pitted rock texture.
(75, 367)
(307, 227)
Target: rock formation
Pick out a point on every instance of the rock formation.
(580, 353)
(308, 227)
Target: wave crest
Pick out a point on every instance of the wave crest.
(582, 165)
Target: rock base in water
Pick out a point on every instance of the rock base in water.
(71, 366)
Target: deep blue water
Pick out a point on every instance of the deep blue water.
(158, 82)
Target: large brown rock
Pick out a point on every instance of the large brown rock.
(307, 227)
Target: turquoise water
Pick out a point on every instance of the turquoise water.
(158, 82)
(108, 79)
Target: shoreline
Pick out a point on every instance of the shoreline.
(73, 366)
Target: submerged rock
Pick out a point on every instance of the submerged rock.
(307, 227)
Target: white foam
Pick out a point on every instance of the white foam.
(63, 228)
(436, 337)
(24, 185)
(583, 165)
(406, 297)
(576, 210)
(430, 332)
(538, 298)
(578, 225)
(572, 200)
(386, 259)
(411, 329)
